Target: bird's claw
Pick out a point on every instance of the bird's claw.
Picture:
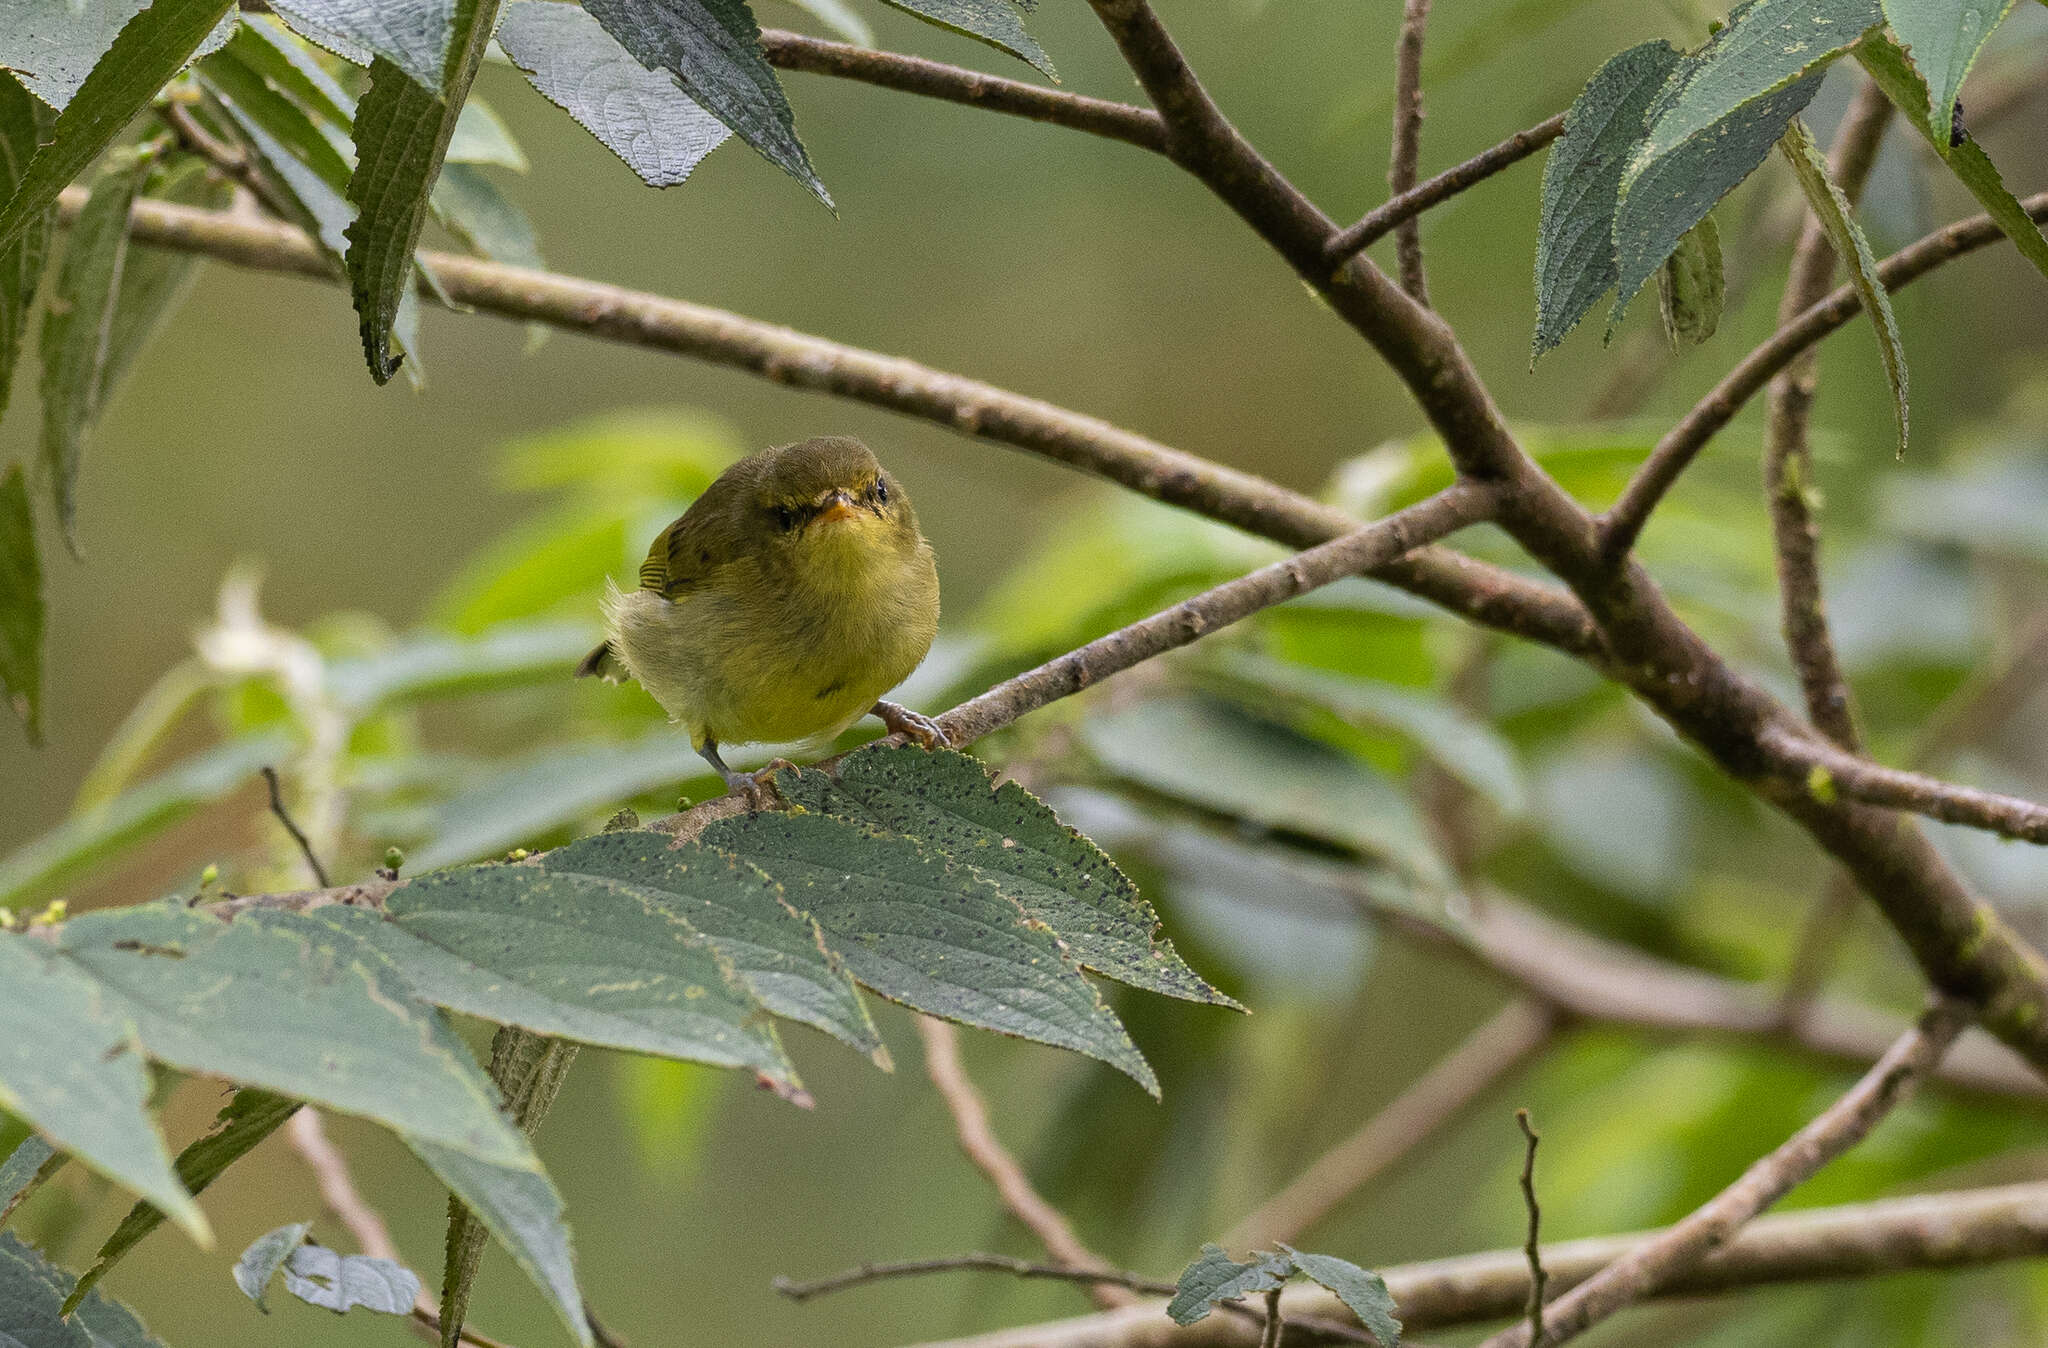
(757, 789)
(912, 725)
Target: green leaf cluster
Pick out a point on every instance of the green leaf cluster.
(1214, 1277)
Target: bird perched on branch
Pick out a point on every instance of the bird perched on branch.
(789, 597)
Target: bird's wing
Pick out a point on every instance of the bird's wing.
(685, 554)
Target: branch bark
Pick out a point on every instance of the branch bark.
(1822, 769)
(1411, 202)
(1407, 151)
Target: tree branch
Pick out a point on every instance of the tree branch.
(1531, 1247)
(954, 84)
(1407, 147)
(864, 1274)
(1411, 202)
(1658, 1261)
(1822, 769)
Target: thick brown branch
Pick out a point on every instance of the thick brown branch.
(934, 79)
(1823, 770)
(1660, 1260)
(1407, 151)
(1406, 205)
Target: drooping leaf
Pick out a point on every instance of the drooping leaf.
(277, 1000)
(305, 191)
(1666, 194)
(1364, 1292)
(417, 36)
(271, 54)
(21, 611)
(402, 130)
(995, 22)
(432, 664)
(1831, 208)
(265, 1256)
(78, 331)
(947, 802)
(70, 1066)
(1902, 84)
(777, 952)
(237, 76)
(337, 1282)
(28, 1165)
(931, 934)
(22, 121)
(713, 48)
(1944, 38)
(472, 208)
(641, 115)
(248, 1117)
(1691, 286)
(1582, 186)
(152, 48)
(1215, 1276)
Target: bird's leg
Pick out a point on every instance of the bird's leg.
(902, 720)
(754, 788)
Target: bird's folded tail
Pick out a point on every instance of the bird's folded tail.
(603, 662)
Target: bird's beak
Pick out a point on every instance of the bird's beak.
(838, 506)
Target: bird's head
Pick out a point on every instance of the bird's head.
(829, 498)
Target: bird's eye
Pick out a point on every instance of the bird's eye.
(785, 517)
(881, 490)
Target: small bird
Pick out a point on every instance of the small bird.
(787, 599)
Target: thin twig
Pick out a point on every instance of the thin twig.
(1269, 1332)
(977, 1138)
(1532, 1248)
(284, 817)
(1683, 1245)
(338, 1192)
(1406, 205)
(988, 1263)
(1407, 149)
(1822, 770)
(1487, 1055)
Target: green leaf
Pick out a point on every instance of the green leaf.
(1582, 186)
(88, 838)
(1902, 84)
(779, 953)
(52, 46)
(271, 54)
(1219, 757)
(78, 331)
(349, 50)
(278, 1000)
(402, 130)
(336, 1282)
(1831, 208)
(641, 115)
(264, 1257)
(931, 934)
(995, 22)
(152, 48)
(1215, 1276)
(419, 37)
(27, 1166)
(70, 1066)
(481, 137)
(21, 613)
(1944, 38)
(247, 1118)
(432, 664)
(713, 48)
(1665, 195)
(1365, 1293)
(237, 77)
(1010, 838)
(1691, 286)
(472, 208)
(22, 122)
(575, 957)
(33, 1313)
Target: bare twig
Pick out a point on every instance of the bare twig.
(1407, 151)
(1824, 770)
(1657, 1261)
(986, 1263)
(284, 817)
(979, 1141)
(1411, 202)
(1487, 1055)
(364, 1223)
(1532, 1248)
(1269, 1332)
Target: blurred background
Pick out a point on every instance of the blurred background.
(435, 557)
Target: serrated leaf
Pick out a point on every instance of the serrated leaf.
(349, 50)
(947, 802)
(931, 934)
(572, 956)
(1364, 1292)
(34, 1314)
(52, 45)
(70, 1066)
(470, 206)
(248, 1117)
(995, 22)
(1944, 38)
(1215, 1276)
(27, 1166)
(21, 609)
(417, 36)
(1582, 186)
(78, 330)
(1667, 194)
(22, 122)
(713, 48)
(641, 115)
(265, 1255)
(402, 132)
(1831, 208)
(277, 1000)
(777, 952)
(150, 49)
(337, 1282)
(1902, 84)
(1691, 286)
(272, 54)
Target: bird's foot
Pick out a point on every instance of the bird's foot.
(756, 790)
(911, 725)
